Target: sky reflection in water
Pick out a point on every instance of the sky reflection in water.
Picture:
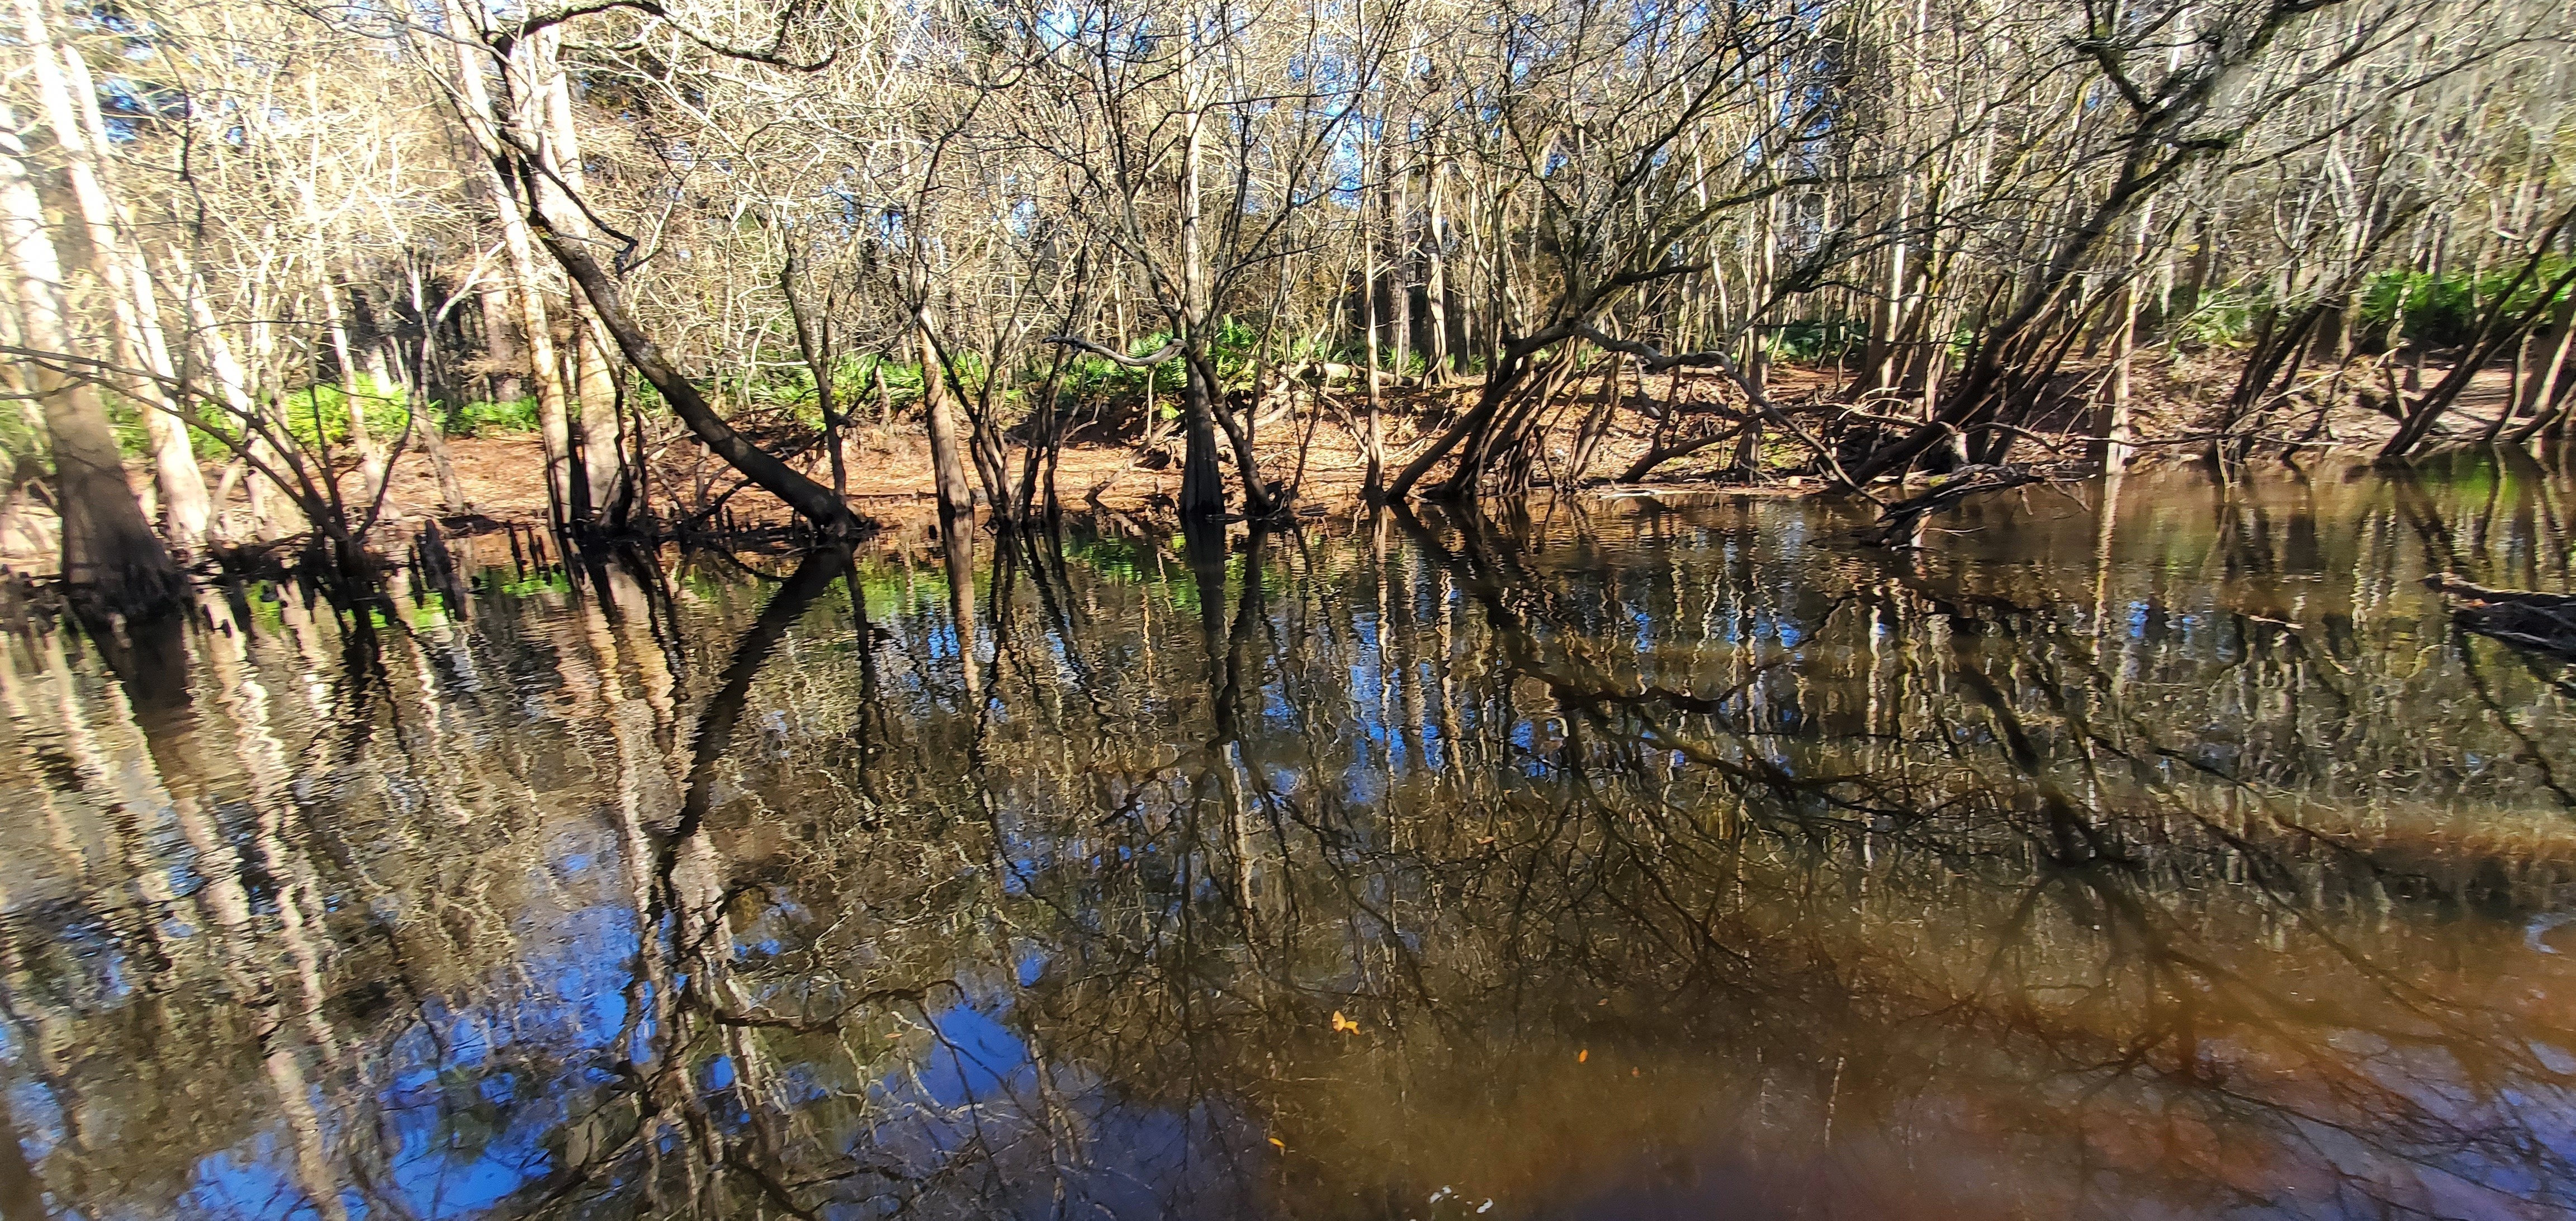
(1669, 860)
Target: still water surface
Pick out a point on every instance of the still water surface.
(1669, 860)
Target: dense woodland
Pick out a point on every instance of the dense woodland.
(263, 251)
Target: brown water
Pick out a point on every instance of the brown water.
(1669, 861)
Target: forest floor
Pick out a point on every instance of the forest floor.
(888, 469)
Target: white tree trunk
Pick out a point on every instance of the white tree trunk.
(112, 560)
(71, 109)
(527, 285)
(603, 463)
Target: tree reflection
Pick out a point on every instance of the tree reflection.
(1653, 862)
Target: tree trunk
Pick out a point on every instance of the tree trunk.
(527, 292)
(233, 383)
(814, 344)
(1372, 437)
(608, 488)
(1202, 484)
(1435, 288)
(603, 461)
(71, 110)
(504, 356)
(526, 285)
(112, 562)
(1399, 287)
(2111, 416)
(1202, 487)
(814, 501)
(429, 411)
(939, 420)
(355, 395)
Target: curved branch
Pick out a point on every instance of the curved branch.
(1166, 352)
(1753, 394)
(502, 39)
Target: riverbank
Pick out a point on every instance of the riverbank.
(1315, 448)
(888, 470)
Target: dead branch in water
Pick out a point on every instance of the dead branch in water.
(2543, 622)
(1901, 524)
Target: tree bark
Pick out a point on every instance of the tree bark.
(483, 120)
(429, 412)
(505, 358)
(112, 561)
(814, 344)
(1202, 486)
(607, 487)
(71, 110)
(939, 420)
(233, 383)
(808, 498)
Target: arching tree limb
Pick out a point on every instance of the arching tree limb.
(1656, 362)
(809, 499)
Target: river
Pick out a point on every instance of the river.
(2157, 850)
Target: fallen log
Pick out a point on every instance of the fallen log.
(2542, 622)
(1900, 524)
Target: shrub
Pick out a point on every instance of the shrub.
(2222, 318)
(484, 419)
(1813, 339)
(2442, 311)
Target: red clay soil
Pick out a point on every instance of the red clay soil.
(889, 472)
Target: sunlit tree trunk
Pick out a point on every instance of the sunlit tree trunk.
(2111, 416)
(1372, 435)
(814, 344)
(939, 420)
(71, 110)
(1202, 487)
(527, 285)
(430, 416)
(608, 491)
(1435, 286)
(112, 561)
(503, 354)
(233, 384)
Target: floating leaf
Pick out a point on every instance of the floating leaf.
(1344, 1025)
(1583, 1055)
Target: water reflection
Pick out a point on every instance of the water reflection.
(2163, 852)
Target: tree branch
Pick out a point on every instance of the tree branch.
(1166, 352)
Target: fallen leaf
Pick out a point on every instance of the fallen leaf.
(1583, 1055)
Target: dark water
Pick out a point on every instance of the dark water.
(1669, 861)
